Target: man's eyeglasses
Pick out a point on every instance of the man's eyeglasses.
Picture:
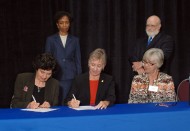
(151, 26)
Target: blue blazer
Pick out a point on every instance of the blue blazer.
(68, 57)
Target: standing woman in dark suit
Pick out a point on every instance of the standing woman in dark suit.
(66, 49)
(39, 89)
(93, 87)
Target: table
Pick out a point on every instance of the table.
(128, 117)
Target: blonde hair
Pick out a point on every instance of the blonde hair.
(98, 54)
(154, 55)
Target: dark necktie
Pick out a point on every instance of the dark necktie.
(149, 41)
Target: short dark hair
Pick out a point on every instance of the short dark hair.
(60, 14)
(44, 61)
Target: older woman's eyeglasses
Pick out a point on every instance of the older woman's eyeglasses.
(147, 63)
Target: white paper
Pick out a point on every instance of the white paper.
(39, 110)
(85, 108)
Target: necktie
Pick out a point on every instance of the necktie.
(149, 41)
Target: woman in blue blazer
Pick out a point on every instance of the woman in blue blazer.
(66, 49)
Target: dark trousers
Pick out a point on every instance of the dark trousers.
(65, 86)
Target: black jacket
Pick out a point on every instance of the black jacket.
(81, 89)
(23, 91)
(161, 41)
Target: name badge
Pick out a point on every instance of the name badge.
(153, 88)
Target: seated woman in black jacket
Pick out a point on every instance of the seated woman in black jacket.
(39, 89)
(93, 87)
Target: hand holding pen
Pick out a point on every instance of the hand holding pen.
(33, 104)
(74, 103)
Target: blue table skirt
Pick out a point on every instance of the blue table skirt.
(130, 117)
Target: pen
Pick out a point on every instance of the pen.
(74, 97)
(33, 98)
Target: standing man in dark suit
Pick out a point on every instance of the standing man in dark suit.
(66, 49)
(154, 39)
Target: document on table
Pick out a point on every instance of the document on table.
(85, 108)
(40, 109)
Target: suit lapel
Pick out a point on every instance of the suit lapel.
(154, 41)
(100, 85)
(48, 89)
(68, 41)
(58, 39)
(87, 86)
(30, 85)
